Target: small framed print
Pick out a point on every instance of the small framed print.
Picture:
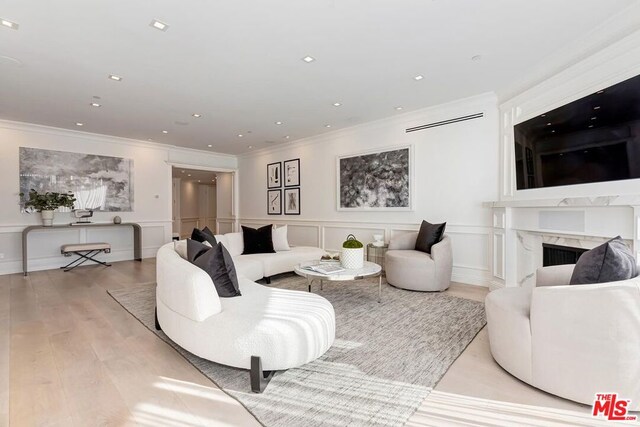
(274, 202)
(274, 175)
(292, 201)
(292, 173)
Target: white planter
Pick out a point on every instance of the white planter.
(352, 258)
(47, 218)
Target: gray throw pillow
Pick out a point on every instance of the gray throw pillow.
(218, 264)
(610, 262)
(205, 235)
(429, 235)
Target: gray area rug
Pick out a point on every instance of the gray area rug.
(386, 358)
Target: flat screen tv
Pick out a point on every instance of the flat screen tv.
(593, 139)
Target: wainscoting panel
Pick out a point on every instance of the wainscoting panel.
(471, 244)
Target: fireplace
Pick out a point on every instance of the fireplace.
(558, 255)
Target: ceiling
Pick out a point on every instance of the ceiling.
(201, 176)
(239, 63)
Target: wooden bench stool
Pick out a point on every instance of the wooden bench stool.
(85, 252)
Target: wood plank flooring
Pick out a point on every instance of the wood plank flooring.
(71, 356)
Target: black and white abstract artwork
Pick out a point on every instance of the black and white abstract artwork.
(375, 180)
(101, 183)
(292, 201)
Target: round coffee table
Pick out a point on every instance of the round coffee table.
(369, 269)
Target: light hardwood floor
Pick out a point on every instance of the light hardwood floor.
(70, 355)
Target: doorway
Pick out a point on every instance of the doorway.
(197, 200)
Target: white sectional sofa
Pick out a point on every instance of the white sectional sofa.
(264, 328)
(257, 266)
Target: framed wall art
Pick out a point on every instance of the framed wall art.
(292, 201)
(274, 175)
(292, 173)
(274, 202)
(376, 180)
(101, 183)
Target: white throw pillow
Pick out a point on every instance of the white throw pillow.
(236, 243)
(279, 239)
(181, 248)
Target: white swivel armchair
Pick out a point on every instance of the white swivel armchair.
(415, 270)
(570, 340)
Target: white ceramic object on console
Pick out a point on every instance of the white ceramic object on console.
(47, 218)
(379, 242)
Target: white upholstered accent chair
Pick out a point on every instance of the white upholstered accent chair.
(415, 270)
(569, 340)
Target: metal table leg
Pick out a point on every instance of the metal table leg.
(379, 288)
(309, 280)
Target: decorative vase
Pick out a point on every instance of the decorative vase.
(352, 255)
(47, 218)
(117, 220)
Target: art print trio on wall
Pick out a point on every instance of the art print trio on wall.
(287, 173)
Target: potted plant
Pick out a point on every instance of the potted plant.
(352, 255)
(47, 203)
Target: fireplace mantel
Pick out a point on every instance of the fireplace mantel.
(571, 202)
(520, 227)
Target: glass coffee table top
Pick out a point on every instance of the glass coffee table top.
(369, 269)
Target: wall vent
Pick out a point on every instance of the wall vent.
(445, 122)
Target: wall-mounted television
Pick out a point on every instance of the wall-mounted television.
(593, 139)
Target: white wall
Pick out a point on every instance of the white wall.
(152, 197)
(225, 188)
(456, 169)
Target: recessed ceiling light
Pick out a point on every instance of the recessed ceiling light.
(308, 59)
(159, 25)
(418, 77)
(240, 135)
(79, 124)
(95, 104)
(597, 107)
(9, 24)
(549, 124)
(287, 137)
(165, 131)
(209, 145)
(213, 180)
(398, 108)
(327, 126)
(182, 171)
(250, 146)
(196, 115)
(188, 174)
(553, 131)
(476, 57)
(278, 123)
(114, 77)
(593, 118)
(336, 104)
(198, 180)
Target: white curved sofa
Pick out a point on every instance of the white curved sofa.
(283, 328)
(571, 341)
(258, 266)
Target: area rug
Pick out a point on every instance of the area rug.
(385, 361)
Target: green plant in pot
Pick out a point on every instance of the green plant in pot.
(352, 255)
(47, 203)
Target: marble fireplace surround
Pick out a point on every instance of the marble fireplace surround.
(520, 227)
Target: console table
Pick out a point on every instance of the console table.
(137, 237)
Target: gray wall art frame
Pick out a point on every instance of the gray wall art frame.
(274, 175)
(292, 201)
(376, 180)
(101, 183)
(291, 172)
(274, 202)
